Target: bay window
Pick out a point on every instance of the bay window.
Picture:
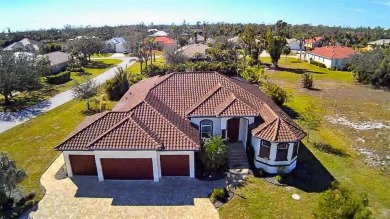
(281, 152)
(265, 149)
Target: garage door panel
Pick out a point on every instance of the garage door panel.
(127, 168)
(175, 165)
(83, 165)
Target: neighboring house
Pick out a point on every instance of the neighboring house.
(159, 33)
(235, 39)
(378, 44)
(58, 61)
(166, 42)
(195, 51)
(331, 56)
(313, 42)
(116, 44)
(24, 45)
(199, 39)
(294, 44)
(158, 126)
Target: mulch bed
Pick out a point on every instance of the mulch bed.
(215, 176)
(218, 204)
(272, 180)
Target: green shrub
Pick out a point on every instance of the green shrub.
(254, 75)
(307, 80)
(218, 194)
(340, 202)
(214, 153)
(153, 70)
(279, 178)
(276, 93)
(60, 78)
(319, 64)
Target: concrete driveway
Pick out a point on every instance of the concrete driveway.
(85, 197)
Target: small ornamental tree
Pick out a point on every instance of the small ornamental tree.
(311, 119)
(340, 202)
(307, 80)
(286, 51)
(86, 91)
(214, 153)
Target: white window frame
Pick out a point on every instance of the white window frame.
(206, 125)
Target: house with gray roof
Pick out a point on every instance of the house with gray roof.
(378, 44)
(116, 44)
(195, 51)
(58, 61)
(24, 45)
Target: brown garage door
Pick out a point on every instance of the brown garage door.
(175, 165)
(126, 168)
(83, 164)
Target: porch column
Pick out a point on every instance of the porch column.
(99, 168)
(155, 168)
(192, 165)
(67, 163)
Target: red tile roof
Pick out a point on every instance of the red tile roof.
(313, 40)
(155, 113)
(165, 40)
(334, 52)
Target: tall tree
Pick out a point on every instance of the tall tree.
(20, 73)
(274, 46)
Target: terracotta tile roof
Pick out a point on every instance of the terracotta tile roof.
(278, 130)
(156, 113)
(165, 40)
(311, 40)
(334, 52)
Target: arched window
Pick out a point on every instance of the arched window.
(282, 152)
(206, 128)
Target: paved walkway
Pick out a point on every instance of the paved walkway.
(85, 197)
(9, 120)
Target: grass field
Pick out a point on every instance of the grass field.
(92, 70)
(363, 168)
(31, 144)
(102, 55)
(136, 67)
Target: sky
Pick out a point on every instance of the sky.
(37, 14)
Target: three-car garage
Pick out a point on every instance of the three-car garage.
(129, 166)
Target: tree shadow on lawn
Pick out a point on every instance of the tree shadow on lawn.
(298, 70)
(290, 112)
(310, 175)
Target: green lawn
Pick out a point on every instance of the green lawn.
(101, 55)
(136, 67)
(31, 144)
(338, 95)
(92, 70)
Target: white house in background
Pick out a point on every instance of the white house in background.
(116, 44)
(199, 39)
(331, 56)
(378, 44)
(158, 126)
(294, 44)
(24, 45)
(159, 33)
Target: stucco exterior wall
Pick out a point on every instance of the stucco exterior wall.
(154, 155)
(270, 165)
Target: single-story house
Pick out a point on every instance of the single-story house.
(195, 51)
(165, 41)
(294, 44)
(116, 44)
(58, 61)
(331, 56)
(24, 45)
(159, 33)
(158, 126)
(199, 39)
(313, 42)
(378, 44)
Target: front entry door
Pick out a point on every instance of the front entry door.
(233, 126)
